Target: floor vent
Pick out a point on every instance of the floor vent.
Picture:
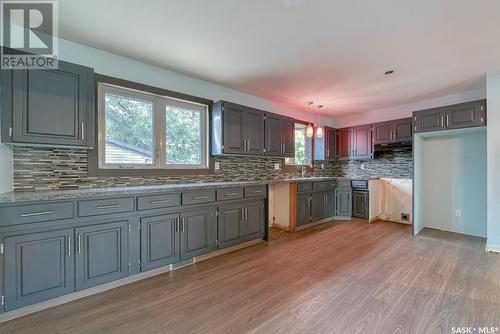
(182, 264)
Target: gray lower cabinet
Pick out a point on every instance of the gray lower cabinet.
(330, 203)
(303, 209)
(101, 253)
(160, 242)
(360, 204)
(38, 266)
(197, 232)
(343, 203)
(254, 220)
(231, 219)
(318, 206)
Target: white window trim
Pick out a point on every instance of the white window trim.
(159, 126)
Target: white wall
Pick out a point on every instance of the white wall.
(396, 199)
(493, 175)
(406, 110)
(454, 170)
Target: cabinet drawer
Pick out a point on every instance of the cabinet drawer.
(344, 183)
(229, 193)
(324, 185)
(304, 186)
(158, 201)
(196, 197)
(32, 213)
(360, 184)
(105, 206)
(256, 191)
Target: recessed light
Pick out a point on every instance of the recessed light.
(389, 72)
(308, 103)
(293, 3)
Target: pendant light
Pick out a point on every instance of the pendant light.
(310, 129)
(319, 129)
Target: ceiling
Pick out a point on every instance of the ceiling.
(291, 51)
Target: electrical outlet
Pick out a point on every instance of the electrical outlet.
(217, 165)
(405, 217)
(458, 213)
(322, 166)
(362, 166)
(277, 166)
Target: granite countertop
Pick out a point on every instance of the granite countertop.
(17, 197)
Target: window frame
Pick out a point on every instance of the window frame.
(310, 164)
(160, 98)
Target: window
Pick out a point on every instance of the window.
(303, 147)
(139, 130)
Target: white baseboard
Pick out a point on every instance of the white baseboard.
(20, 312)
(492, 248)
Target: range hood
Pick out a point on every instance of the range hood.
(395, 146)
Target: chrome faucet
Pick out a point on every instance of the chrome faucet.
(303, 170)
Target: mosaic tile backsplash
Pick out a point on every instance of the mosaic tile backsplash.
(38, 168)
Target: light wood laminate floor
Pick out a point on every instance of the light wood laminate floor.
(339, 277)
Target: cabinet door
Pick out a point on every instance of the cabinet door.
(318, 206)
(343, 204)
(288, 128)
(303, 209)
(362, 142)
(360, 204)
(231, 225)
(274, 136)
(344, 148)
(429, 120)
(101, 253)
(383, 132)
(159, 241)
(330, 204)
(331, 143)
(465, 115)
(254, 220)
(197, 233)
(53, 106)
(404, 129)
(233, 129)
(254, 131)
(38, 266)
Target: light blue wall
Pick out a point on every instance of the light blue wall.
(453, 170)
(493, 96)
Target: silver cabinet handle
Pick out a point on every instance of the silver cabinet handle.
(79, 245)
(232, 194)
(69, 245)
(200, 197)
(183, 224)
(248, 145)
(161, 201)
(242, 213)
(447, 120)
(257, 192)
(111, 206)
(83, 131)
(33, 214)
(177, 223)
(246, 213)
(442, 121)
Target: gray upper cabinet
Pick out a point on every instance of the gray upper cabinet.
(237, 129)
(465, 115)
(160, 244)
(362, 138)
(344, 143)
(198, 233)
(49, 107)
(458, 116)
(429, 120)
(325, 147)
(393, 131)
(38, 266)
(101, 253)
(280, 136)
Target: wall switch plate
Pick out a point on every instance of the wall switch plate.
(458, 213)
(217, 165)
(277, 166)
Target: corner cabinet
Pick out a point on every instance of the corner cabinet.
(458, 116)
(237, 129)
(49, 107)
